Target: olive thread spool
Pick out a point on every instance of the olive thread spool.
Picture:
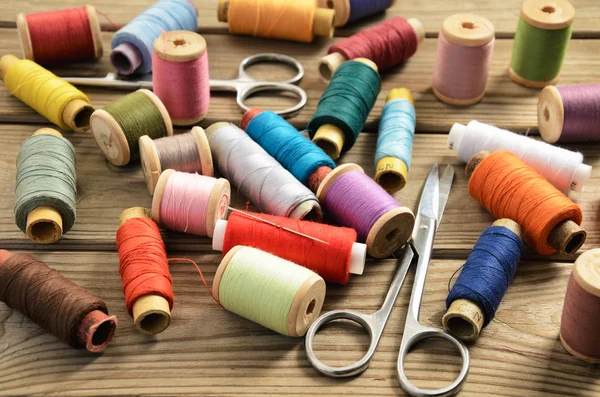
(566, 237)
(305, 305)
(96, 329)
(216, 207)
(151, 313)
(464, 317)
(581, 312)
(75, 115)
(322, 23)
(154, 159)
(343, 10)
(25, 37)
(541, 42)
(115, 135)
(463, 59)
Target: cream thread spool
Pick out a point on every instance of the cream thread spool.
(307, 303)
(151, 163)
(551, 114)
(218, 201)
(464, 318)
(151, 313)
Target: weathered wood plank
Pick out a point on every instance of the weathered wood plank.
(506, 104)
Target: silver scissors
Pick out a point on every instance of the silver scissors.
(244, 84)
(433, 201)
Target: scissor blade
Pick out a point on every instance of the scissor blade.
(445, 186)
(430, 199)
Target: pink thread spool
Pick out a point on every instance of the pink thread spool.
(180, 75)
(462, 62)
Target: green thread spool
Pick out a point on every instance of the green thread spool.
(541, 42)
(345, 106)
(268, 290)
(119, 126)
(46, 186)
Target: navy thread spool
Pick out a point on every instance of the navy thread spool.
(487, 273)
(347, 11)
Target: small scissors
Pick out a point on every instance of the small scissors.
(244, 85)
(433, 201)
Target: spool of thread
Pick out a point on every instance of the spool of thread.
(63, 36)
(190, 203)
(541, 42)
(187, 152)
(463, 58)
(561, 167)
(46, 188)
(144, 270)
(509, 188)
(355, 200)
(118, 127)
(395, 140)
(569, 113)
(52, 97)
(258, 176)
(55, 303)
(268, 290)
(347, 11)
(581, 312)
(296, 20)
(387, 44)
(345, 106)
(132, 44)
(484, 280)
(180, 75)
(331, 252)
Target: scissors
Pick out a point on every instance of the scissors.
(244, 84)
(433, 201)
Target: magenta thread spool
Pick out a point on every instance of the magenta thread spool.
(570, 113)
(355, 200)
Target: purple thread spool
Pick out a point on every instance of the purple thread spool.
(355, 200)
(570, 113)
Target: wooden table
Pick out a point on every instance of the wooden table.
(208, 351)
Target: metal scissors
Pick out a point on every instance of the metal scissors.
(244, 84)
(433, 201)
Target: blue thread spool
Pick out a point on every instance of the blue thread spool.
(347, 11)
(395, 140)
(486, 275)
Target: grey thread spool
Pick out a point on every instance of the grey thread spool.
(258, 176)
(46, 190)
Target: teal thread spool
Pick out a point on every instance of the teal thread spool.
(541, 42)
(345, 106)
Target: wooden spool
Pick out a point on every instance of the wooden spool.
(566, 237)
(467, 30)
(391, 230)
(150, 158)
(342, 10)
(25, 36)
(111, 138)
(464, 318)
(218, 202)
(551, 114)
(307, 303)
(331, 138)
(545, 15)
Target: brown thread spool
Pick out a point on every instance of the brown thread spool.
(580, 323)
(342, 9)
(151, 159)
(151, 313)
(96, 328)
(25, 36)
(566, 237)
(76, 115)
(464, 318)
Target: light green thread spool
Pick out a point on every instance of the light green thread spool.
(268, 290)
(541, 42)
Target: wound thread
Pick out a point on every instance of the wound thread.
(179, 152)
(361, 9)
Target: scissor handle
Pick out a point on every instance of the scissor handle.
(271, 58)
(409, 341)
(365, 321)
(248, 89)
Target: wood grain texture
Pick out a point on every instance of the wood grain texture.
(506, 104)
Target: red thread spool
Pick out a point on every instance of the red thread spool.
(334, 257)
(144, 271)
(70, 35)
